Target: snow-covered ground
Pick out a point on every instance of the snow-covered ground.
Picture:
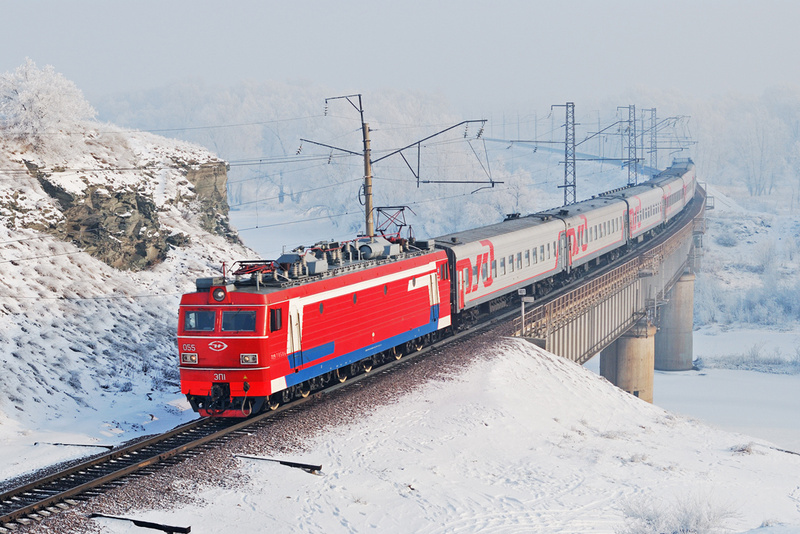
(520, 441)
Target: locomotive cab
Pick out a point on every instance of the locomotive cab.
(223, 351)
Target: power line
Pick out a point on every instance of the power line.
(295, 193)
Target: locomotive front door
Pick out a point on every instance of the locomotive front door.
(293, 337)
(433, 297)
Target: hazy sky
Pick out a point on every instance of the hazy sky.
(487, 55)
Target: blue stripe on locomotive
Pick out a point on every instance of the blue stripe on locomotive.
(309, 355)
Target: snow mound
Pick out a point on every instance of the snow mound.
(522, 441)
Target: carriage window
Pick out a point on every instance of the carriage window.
(202, 321)
(502, 266)
(511, 263)
(475, 275)
(548, 251)
(239, 321)
(494, 268)
(527, 258)
(275, 322)
(541, 253)
(535, 255)
(485, 271)
(519, 260)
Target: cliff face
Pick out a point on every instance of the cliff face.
(210, 186)
(127, 218)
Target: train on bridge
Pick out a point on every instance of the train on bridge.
(276, 330)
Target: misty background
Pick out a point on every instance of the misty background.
(249, 81)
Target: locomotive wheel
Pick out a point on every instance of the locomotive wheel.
(366, 365)
(396, 352)
(304, 389)
(273, 402)
(415, 345)
(341, 376)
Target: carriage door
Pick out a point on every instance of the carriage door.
(461, 289)
(294, 333)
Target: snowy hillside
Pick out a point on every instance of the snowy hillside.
(518, 441)
(77, 197)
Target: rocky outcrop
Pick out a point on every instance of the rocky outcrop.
(121, 226)
(210, 185)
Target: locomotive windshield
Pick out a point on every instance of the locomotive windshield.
(199, 321)
(239, 321)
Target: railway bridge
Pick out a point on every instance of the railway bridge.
(637, 313)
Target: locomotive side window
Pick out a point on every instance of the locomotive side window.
(239, 321)
(275, 320)
(199, 321)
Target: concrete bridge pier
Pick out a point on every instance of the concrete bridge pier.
(674, 350)
(628, 362)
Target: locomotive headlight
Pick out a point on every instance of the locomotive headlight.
(218, 294)
(248, 359)
(188, 357)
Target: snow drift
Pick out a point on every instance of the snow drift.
(519, 441)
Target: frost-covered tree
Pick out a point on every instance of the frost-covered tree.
(38, 104)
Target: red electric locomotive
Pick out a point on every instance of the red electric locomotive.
(279, 329)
